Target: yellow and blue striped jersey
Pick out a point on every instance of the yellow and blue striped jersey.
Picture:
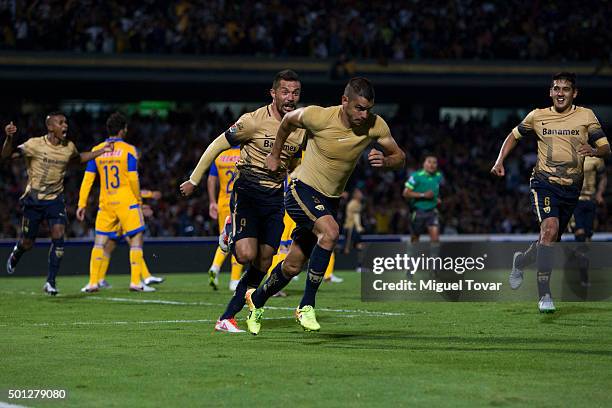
(224, 167)
(118, 170)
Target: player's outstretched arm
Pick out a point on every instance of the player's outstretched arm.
(291, 121)
(211, 186)
(208, 157)
(392, 156)
(7, 147)
(509, 144)
(87, 156)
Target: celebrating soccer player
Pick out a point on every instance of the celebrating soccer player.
(566, 134)
(337, 137)
(254, 229)
(47, 158)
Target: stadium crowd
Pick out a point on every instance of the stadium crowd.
(399, 30)
(472, 200)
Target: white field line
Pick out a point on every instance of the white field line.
(180, 303)
(7, 405)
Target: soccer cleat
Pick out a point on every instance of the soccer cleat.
(228, 326)
(50, 289)
(141, 288)
(307, 319)
(213, 280)
(90, 288)
(253, 320)
(10, 268)
(334, 279)
(546, 305)
(233, 284)
(516, 276)
(153, 280)
(103, 284)
(224, 237)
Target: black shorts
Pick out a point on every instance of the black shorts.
(257, 213)
(584, 215)
(552, 200)
(421, 220)
(305, 205)
(35, 211)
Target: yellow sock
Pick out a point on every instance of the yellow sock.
(97, 253)
(236, 269)
(103, 266)
(218, 259)
(135, 265)
(278, 258)
(145, 270)
(330, 266)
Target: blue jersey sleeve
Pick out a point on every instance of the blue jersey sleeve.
(91, 166)
(132, 162)
(213, 170)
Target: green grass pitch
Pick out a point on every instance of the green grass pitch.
(116, 348)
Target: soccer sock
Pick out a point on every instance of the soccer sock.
(56, 252)
(95, 264)
(135, 265)
(275, 282)
(104, 262)
(236, 269)
(545, 258)
(330, 267)
(145, 269)
(218, 260)
(528, 257)
(251, 279)
(316, 269)
(580, 237)
(15, 256)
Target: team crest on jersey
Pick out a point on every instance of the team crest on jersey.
(320, 207)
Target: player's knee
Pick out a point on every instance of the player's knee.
(548, 233)
(26, 244)
(291, 268)
(329, 236)
(245, 255)
(580, 235)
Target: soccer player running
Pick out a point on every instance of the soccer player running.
(222, 175)
(423, 191)
(256, 221)
(353, 227)
(337, 137)
(120, 202)
(566, 134)
(47, 158)
(591, 195)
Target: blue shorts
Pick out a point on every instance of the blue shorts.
(584, 215)
(305, 205)
(257, 213)
(35, 211)
(552, 200)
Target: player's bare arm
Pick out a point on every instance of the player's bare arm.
(208, 157)
(291, 121)
(392, 157)
(509, 144)
(87, 156)
(599, 151)
(7, 147)
(213, 208)
(409, 193)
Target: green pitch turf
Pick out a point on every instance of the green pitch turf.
(117, 348)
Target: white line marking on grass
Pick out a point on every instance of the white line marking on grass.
(7, 405)
(180, 303)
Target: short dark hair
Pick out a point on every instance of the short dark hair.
(568, 76)
(115, 123)
(359, 86)
(52, 114)
(284, 75)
